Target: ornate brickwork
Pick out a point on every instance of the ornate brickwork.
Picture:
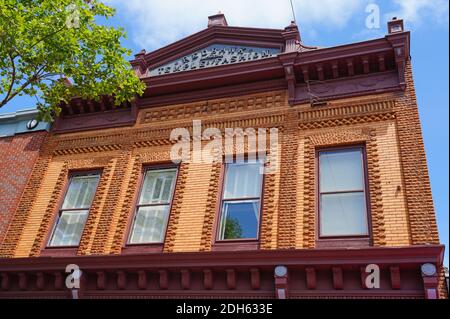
(90, 149)
(176, 208)
(268, 212)
(17, 157)
(287, 214)
(348, 121)
(49, 212)
(309, 193)
(211, 207)
(415, 172)
(126, 206)
(342, 137)
(29, 195)
(376, 196)
(443, 292)
(289, 197)
(347, 110)
(98, 209)
(224, 106)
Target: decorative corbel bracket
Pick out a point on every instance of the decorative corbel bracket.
(400, 44)
(287, 60)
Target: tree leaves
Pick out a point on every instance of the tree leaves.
(45, 41)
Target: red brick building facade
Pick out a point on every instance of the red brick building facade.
(349, 200)
(19, 150)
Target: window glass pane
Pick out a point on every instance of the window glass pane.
(343, 214)
(341, 170)
(150, 225)
(243, 180)
(240, 220)
(81, 191)
(69, 228)
(158, 186)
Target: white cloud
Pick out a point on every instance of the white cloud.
(152, 24)
(416, 11)
(159, 22)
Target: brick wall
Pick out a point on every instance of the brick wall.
(400, 197)
(17, 157)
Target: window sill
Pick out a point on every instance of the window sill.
(235, 245)
(343, 242)
(143, 249)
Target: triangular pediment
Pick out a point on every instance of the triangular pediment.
(212, 47)
(215, 55)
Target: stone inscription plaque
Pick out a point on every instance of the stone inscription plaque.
(215, 55)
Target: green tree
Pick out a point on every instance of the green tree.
(233, 229)
(46, 44)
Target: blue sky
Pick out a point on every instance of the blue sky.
(151, 24)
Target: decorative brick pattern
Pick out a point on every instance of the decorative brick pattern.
(83, 150)
(127, 206)
(97, 211)
(347, 110)
(309, 193)
(376, 196)
(211, 208)
(443, 292)
(415, 172)
(84, 141)
(348, 121)
(388, 125)
(342, 137)
(49, 212)
(223, 106)
(112, 194)
(17, 157)
(177, 201)
(268, 212)
(12, 237)
(287, 213)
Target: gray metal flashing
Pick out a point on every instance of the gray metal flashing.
(16, 123)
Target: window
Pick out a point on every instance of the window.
(342, 192)
(74, 210)
(152, 211)
(241, 201)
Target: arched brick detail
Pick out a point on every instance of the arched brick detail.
(172, 225)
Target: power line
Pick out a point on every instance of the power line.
(293, 12)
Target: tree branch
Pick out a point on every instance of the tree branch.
(35, 77)
(13, 79)
(43, 38)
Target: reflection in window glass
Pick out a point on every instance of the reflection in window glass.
(74, 211)
(342, 201)
(69, 228)
(241, 201)
(152, 212)
(81, 192)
